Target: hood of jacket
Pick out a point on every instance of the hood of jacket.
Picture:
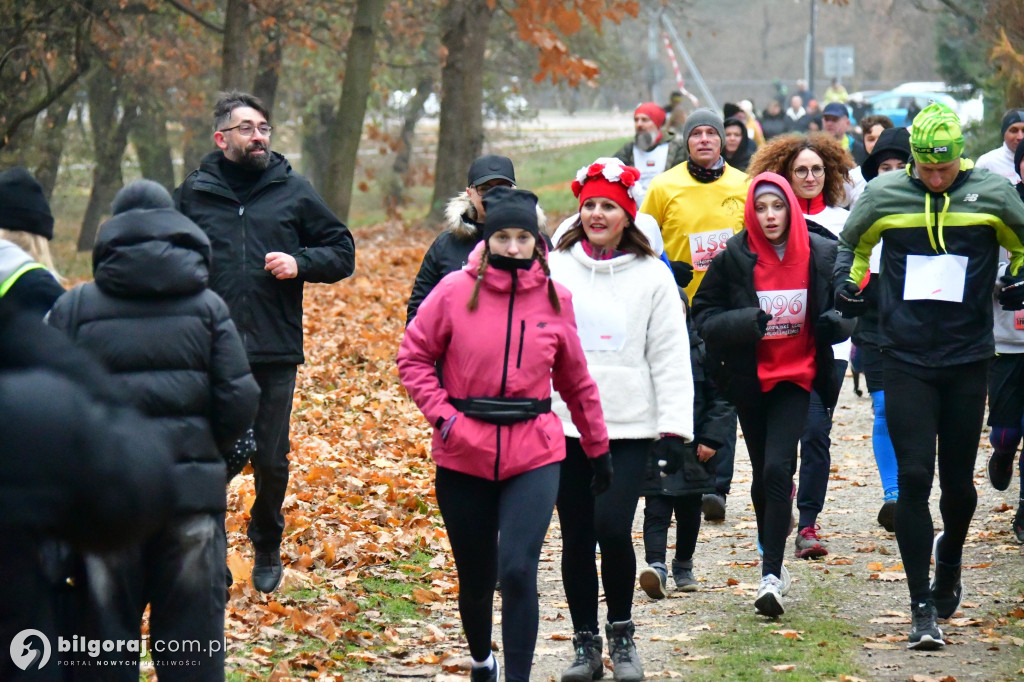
(797, 235)
(460, 218)
(278, 169)
(151, 253)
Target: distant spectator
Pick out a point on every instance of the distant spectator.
(836, 93)
(652, 150)
(796, 110)
(674, 99)
(738, 147)
(806, 95)
(836, 119)
(871, 129)
(774, 121)
(754, 131)
(1000, 159)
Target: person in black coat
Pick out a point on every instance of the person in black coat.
(169, 340)
(270, 232)
(765, 312)
(78, 468)
(682, 492)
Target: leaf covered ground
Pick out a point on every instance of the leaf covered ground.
(370, 590)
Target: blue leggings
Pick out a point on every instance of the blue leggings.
(885, 455)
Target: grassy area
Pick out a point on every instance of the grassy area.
(814, 643)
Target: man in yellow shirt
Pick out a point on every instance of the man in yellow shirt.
(699, 206)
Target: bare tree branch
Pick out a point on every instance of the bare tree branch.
(199, 18)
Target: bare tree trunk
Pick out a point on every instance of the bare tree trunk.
(348, 125)
(110, 137)
(197, 138)
(316, 131)
(50, 145)
(235, 48)
(464, 25)
(151, 142)
(268, 70)
(413, 112)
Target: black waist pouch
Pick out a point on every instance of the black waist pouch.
(502, 411)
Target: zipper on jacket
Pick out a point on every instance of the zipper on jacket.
(522, 335)
(504, 369)
(245, 285)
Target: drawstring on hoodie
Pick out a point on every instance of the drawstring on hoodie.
(940, 220)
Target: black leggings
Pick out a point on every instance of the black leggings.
(606, 520)
(772, 424)
(475, 510)
(922, 405)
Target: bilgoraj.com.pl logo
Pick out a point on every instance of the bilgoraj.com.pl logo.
(30, 649)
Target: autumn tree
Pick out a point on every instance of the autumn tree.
(541, 24)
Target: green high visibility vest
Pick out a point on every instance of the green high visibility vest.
(14, 263)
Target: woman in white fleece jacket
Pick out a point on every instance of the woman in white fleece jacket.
(633, 331)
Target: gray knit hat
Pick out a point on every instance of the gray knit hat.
(703, 117)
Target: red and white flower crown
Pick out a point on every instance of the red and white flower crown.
(610, 178)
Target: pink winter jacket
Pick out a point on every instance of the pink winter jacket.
(513, 345)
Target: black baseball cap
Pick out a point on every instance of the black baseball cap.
(490, 167)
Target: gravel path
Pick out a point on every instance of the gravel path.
(983, 644)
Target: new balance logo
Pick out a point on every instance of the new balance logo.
(971, 197)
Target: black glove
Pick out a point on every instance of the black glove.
(762, 321)
(1011, 293)
(849, 300)
(826, 324)
(668, 453)
(683, 272)
(602, 467)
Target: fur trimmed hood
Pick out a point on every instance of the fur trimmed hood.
(460, 217)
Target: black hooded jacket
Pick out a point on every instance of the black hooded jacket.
(168, 340)
(281, 213)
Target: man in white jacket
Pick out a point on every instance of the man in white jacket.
(1000, 159)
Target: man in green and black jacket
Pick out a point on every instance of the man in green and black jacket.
(942, 223)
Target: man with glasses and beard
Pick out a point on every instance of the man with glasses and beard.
(270, 232)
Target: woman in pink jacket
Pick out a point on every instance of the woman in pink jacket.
(502, 333)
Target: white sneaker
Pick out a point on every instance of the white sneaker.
(769, 597)
(786, 581)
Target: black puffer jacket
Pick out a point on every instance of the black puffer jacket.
(169, 340)
(728, 287)
(75, 465)
(282, 213)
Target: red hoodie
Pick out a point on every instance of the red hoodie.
(786, 353)
(513, 345)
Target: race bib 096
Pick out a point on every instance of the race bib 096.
(788, 308)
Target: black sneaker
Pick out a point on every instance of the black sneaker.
(267, 570)
(925, 634)
(1000, 469)
(947, 587)
(486, 674)
(622, 651)
(1018, 524)
(887, 515)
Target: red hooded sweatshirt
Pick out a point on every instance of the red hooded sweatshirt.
(786, 353)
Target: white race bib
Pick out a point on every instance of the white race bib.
(602, 327)
(704, 246)
(935, 278)
(788, 308)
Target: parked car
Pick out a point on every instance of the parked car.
(896, 105)
(970, 107)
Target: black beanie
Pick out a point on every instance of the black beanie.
(22, 204)
(1010, 117)
(507, 207)
(141, 194)
(729, 110)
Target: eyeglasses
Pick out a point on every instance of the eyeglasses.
(484, 189)
(802, 171)
(247, 129)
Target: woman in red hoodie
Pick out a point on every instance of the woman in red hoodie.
(765, 312)
(502, 332)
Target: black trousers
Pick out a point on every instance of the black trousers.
(725, 457)
(475, 510)
(270, 463)
(816, 456)
(925, 406)
(658, 517)
(606, 520)
(772, 424)
(179, 572)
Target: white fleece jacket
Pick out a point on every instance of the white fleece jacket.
(630, 320)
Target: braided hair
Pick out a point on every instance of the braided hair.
(538, 253)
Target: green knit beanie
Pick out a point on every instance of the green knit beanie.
(936, 136)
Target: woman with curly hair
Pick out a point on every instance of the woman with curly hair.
(818, 169)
